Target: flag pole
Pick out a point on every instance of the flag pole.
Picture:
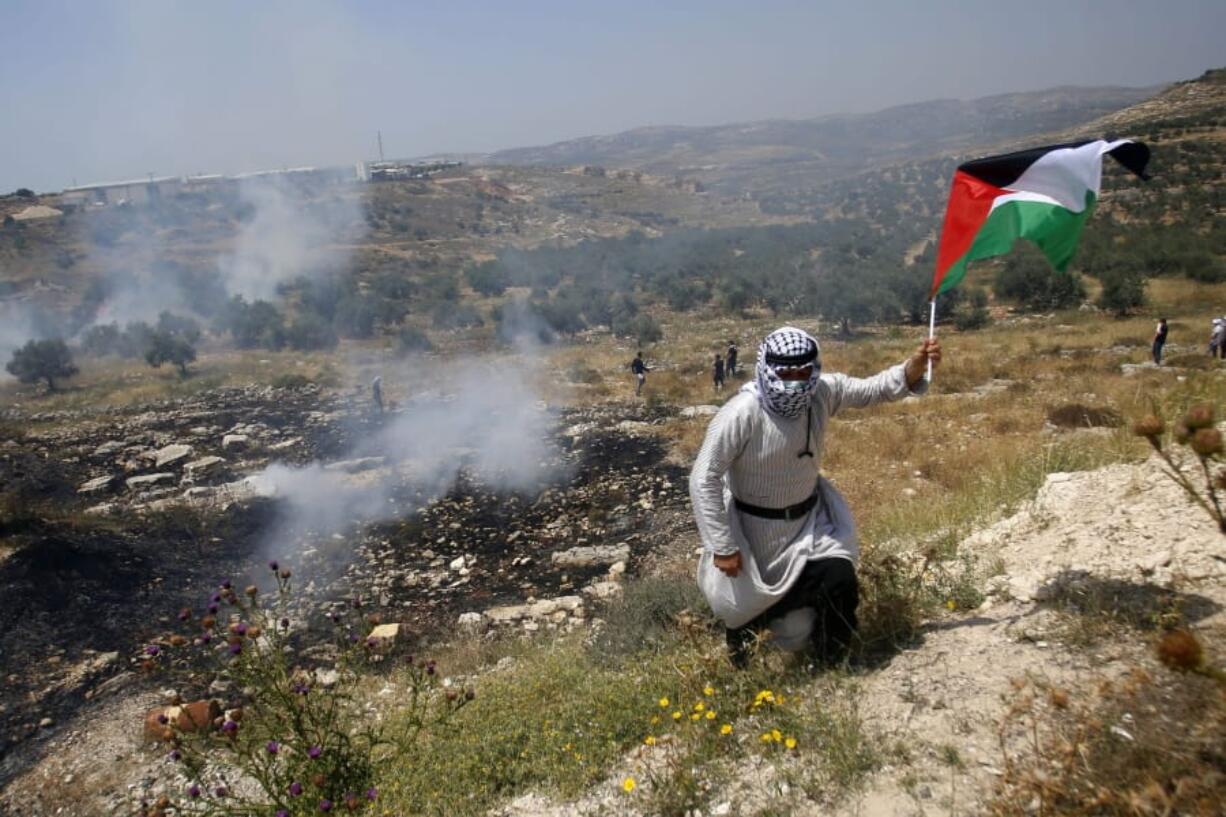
(932, 331)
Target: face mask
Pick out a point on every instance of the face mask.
(794, 385)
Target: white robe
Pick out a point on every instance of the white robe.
(751, 454)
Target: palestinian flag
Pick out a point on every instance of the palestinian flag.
(1045, 194)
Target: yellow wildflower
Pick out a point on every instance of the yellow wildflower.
(628, 785)
(778, 700)
(655, 719)
(726, 729)
(677, 715)
(708, 691)
(776, 735)
(664, 703)
(698, 707)
(710, 714)
(695, 716)
(951, 604)
(766, 737)
(651, 740)
(790, 743)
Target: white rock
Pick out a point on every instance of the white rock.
(472, 623)
(457, 563)
(235, 441)
(171, 454)
(699, 411)
(148, 479)
(95, 485)
(202, 464)
(591, 556)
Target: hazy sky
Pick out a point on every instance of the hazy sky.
(93, 90)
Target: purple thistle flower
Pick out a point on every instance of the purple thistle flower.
(193, 791)
(226, 585)
(174, 756)
(185, 614)
(372, 793)
(273, 566)
(152, 649)
(353, 637)
(351, 799)
(325, 805)
(281, 813)
(372, 643)
(205, 638)
(300, 688)
(430, 668)
(295, 789)
(213, 608)
(314, 752)
(236, 648)
(285, 623)
(229, 727)
(215, 598)
(220, 791)
(163, 720)
(241, 628)
(273, 747)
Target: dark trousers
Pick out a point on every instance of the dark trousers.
(1157, 350)
(830, 587)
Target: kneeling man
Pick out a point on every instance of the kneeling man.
(779, 544)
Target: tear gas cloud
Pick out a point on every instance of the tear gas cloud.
(484, 421)
(285, 236)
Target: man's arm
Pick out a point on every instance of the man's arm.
(894, 383)
(726, 437)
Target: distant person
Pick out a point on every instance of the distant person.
(640, 372)
(731, 365)
(1160, 340)
(719, 373)
(1216, 337)
(376, 393)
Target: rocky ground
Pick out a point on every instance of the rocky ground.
(83, 597)
(142, 511)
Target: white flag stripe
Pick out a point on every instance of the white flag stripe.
(1026, 195)
(1064, 176)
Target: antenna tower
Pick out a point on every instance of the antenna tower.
(380, 145)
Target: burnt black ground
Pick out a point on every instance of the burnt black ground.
(76, 587)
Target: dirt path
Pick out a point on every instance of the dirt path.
(1126, 533)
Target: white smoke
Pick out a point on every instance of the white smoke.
(288, 235)
(484, 420)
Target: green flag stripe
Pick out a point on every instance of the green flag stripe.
(1056, 230)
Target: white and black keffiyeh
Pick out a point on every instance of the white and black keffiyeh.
(786, 347)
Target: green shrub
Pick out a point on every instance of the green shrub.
(48, 360)
(412, 340)
(645, 615)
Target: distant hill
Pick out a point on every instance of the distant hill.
(759, 157)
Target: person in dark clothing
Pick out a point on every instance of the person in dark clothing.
(719, 372)
(376, 394)
(731, 364)
(1160, 340)
(640, 372)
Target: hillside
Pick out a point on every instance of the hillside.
(762, 157)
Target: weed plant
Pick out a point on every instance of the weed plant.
(298, 742)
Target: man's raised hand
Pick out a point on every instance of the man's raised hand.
(917, 364)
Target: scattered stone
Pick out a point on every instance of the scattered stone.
(235, 441)
(203, 464)
(108, 447)
(591, 556)
(356, 465)
(96, 484)
(192, 717)
(148, 479)
(472, 623)
(457, 563)
(171, 454)
(699, 411)
(385, 632)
